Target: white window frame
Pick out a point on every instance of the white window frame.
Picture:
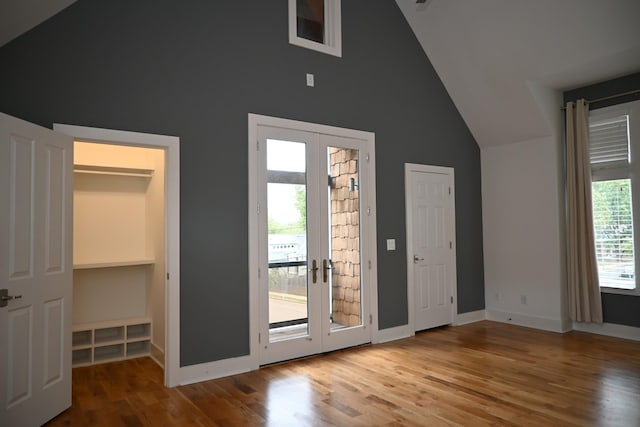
(333, 29)
(630, 171)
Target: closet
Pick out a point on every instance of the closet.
(118, 253)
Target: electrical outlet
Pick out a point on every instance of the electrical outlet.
(310, 80)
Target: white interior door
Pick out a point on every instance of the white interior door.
(36, 187)
(430, 242)
(314, 287)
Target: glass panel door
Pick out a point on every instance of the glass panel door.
(290, 289)
(345, 323)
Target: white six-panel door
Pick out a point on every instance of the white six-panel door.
(36, 270)
(430, 225)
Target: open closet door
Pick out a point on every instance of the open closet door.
(36, 184)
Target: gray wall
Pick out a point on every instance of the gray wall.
(620, 309)
(195, 69)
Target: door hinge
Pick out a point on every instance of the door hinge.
(369, 264)
(371, 319)
(259, 273)
(258, 209)
(258, 145)
(450, 245)
(259, 338)
(369, 211)
(452, 299)
(167, 276)
(366, 157)
(449, 190)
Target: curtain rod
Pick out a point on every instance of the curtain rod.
(606, 98)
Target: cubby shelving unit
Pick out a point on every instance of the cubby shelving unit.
(110, 341)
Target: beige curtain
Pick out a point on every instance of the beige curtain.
(585, 304)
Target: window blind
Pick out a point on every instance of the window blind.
(609, 141)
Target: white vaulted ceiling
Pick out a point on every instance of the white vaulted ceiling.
(491, 53)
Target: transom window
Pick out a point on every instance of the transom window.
(316, 24)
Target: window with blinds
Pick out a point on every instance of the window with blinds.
(611, 196)
(609, 142)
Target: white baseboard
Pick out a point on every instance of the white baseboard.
(392, 334)
(157, 354)
(610, 329)
(544, 323)
(470, 317)
(218, 369)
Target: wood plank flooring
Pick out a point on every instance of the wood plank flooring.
(482, 374)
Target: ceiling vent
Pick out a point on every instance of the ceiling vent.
(422, 4)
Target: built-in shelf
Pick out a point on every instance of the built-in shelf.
(109, 170)
(110, 264)
(110, 341)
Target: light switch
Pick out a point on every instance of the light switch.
(310, 80)
(391, 244)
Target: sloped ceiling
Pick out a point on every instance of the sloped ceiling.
(490, 54)
(19, 16)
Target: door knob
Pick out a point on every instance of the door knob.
(5, 297)
(417, 259)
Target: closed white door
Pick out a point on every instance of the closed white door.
(430, 223)
(35, 271)
(314, 293)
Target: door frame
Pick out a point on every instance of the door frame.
(441, 170)
(171, 146)
(254, 121)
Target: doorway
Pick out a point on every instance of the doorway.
(118, 253)
(315, 247)
(431, 253)
(126, 268)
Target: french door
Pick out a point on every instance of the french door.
(314, 281)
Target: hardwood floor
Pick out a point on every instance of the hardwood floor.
(485, 373)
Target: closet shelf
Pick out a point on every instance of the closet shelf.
(109, 264)
(110, 170)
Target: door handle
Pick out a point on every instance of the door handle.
(5, 297)
(314, 271)
(326, 266)
(417, 259)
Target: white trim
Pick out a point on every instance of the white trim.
(254, 121)
(218, 369)
(544, 323)
(171, 145)
(609, 329)
(333, 29)
(392, 334)
(470, 317)
(413, 167)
